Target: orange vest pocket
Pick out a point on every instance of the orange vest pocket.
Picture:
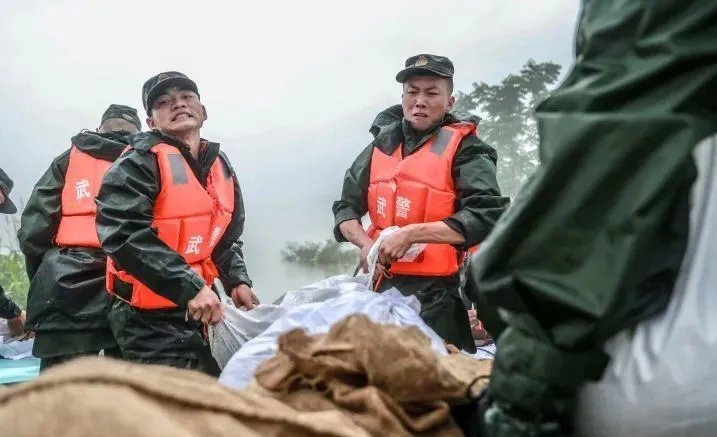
(194, 239)
(381, 200)
(167, 231)
(77, 230)
(410, 204)
(441, 203)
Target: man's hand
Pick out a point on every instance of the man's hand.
(205, 306)
(243, 297)
(380, 268)
(2, 197)
(380, 271)
(363, 257)
(17, 325)
(354, 232)
(477, 329)
(394, 246)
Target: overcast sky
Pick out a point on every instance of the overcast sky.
(291, 87)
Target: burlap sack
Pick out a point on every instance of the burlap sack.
(361, 379)
(91, 397)
(386, 378)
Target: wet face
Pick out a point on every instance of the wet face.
(117, 124)
(426, 100)
(177, 112)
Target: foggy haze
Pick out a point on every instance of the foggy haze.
(290, 87)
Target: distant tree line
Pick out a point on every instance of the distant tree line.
(326, 253)
(508, 122)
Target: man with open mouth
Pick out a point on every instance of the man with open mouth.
(170, 217)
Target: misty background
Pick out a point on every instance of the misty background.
(291, 88)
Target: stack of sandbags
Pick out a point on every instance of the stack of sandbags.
(360, 379)
(386, 378)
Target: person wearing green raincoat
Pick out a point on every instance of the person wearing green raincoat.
(67, 304)
(129, 207)
(594, 241)
(9, 310)
(423, 119)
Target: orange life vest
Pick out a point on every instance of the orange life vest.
(418, 189)
(82, 183)
(188, 217)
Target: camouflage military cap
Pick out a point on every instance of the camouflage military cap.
(425, 64)
(123, 112)
(156, 85)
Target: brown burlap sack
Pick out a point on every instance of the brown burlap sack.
(91, 397)
(386, 378)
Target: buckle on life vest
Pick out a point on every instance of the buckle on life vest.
(123, 291)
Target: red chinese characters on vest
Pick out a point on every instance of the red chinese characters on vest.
(82, 183)
(189, 218)
(418, 189)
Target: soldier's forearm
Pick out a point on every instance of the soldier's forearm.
(354, 232)
(433, 232)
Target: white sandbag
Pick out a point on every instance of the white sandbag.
(661, 380)
(13, 348)
(390, 307)
(237, 326)
(16, 349)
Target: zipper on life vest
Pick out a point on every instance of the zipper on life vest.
(212, 191)
(216, 206)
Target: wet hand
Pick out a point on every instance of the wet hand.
(363, 260)
(17, 325)
(244, 298)
(379, 272)
(394, 247)
(205, 307)
(477, 328)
